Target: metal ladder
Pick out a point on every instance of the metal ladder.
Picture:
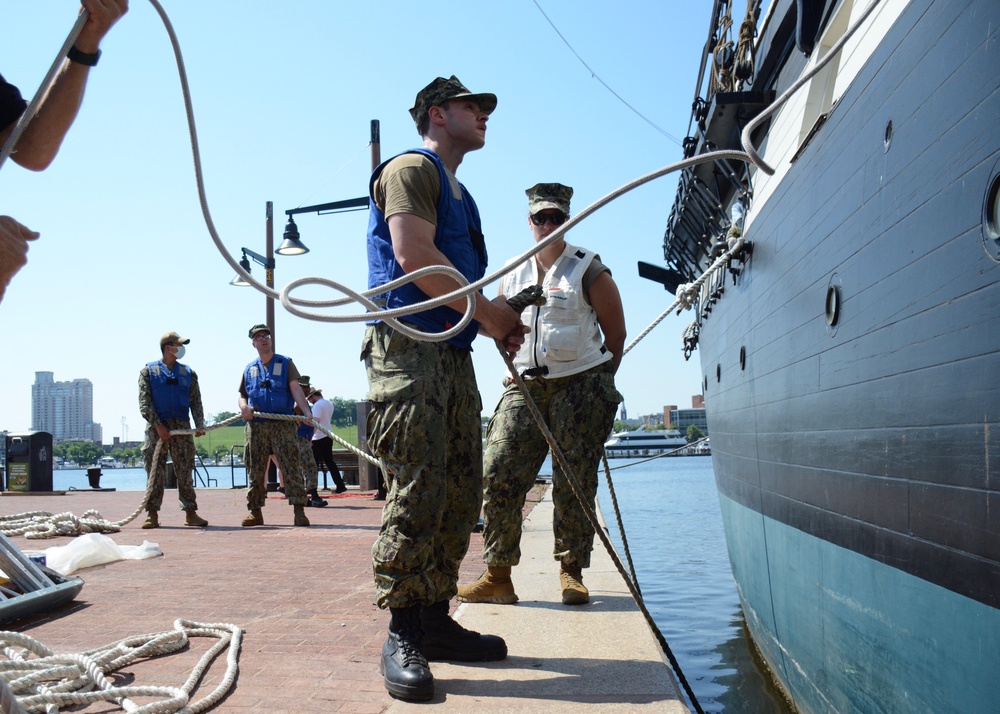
(30, 589)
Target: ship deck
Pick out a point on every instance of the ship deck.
(312, 635)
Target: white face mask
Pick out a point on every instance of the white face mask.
(179, 352)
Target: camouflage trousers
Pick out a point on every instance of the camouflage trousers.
(307, 464)
(579, 410)
(264, 438)
(180, 448)
(425, 424)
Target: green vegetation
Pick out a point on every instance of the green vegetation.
(217, 442)
(85, 453)
(694, 433)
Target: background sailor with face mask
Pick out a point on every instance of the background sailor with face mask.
(168, 391)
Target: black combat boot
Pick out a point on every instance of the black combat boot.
(445, 639)
(403, 664)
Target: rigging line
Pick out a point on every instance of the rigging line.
(330, 177)
(603, 83)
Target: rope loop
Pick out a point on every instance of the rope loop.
(35, 679)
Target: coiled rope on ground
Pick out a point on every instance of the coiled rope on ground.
(33, 678)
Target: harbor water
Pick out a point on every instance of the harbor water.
(670, 509)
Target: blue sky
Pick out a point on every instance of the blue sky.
(283, 98)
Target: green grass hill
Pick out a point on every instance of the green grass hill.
(228, 436)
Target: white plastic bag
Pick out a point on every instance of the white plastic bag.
(92, 549)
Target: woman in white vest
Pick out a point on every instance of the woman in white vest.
(568, 362)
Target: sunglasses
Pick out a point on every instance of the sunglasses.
(556, 219)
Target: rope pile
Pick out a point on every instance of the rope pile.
(35, 679)
(35, 525)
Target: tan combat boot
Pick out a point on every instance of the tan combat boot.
(193, 519)
(256, 518)
(152, 521)
(573, 590)
(300, 515)
(494, 586)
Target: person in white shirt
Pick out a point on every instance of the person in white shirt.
(322, 444)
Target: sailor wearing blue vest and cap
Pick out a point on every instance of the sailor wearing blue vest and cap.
(270, 385)
(168, 391)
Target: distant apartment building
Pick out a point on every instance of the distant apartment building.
(64, 409)
(681, 419)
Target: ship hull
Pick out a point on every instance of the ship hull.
(857, 462)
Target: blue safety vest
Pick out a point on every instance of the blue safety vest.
(459, 237)
(267, 389)
(171, 390)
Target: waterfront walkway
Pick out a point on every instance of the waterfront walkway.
(312, 634)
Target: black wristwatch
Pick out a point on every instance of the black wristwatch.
(83, 58)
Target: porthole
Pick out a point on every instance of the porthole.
(991, 216)
(743, 358)
(887, 137)
(991, 210)
(832, 305)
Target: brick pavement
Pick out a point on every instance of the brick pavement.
(303, 596)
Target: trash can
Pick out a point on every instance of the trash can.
(29, 461)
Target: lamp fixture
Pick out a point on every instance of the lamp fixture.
(291, 245)
(238, 281)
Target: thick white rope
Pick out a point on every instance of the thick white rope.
(288, 417)
(752, 155)
(34, 679)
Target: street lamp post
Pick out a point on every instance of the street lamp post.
(267, 262)
(269, 268)
(368, 475)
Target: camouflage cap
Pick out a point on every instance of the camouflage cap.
(548, 195)
(440, 91)
(173, 337)
(259, 328)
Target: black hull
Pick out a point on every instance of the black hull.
(874, 441)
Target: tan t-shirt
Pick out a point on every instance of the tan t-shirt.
(410, 183)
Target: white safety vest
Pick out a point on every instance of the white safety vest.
(565, 337)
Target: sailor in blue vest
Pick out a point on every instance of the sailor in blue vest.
(270, 385)
(424, 421)
(168, 391)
